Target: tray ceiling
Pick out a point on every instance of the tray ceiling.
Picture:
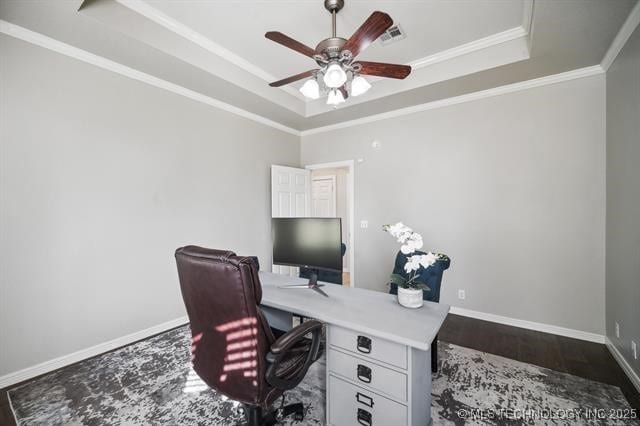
(216, 49)
(431, 26)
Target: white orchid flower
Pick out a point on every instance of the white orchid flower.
(413, 263)
(395, 229)
(411, 241)
(406, 249)
(428, 259)
(407, 235)
(410, 246)
(415, 241)
(420, 260)
(400, 231)
(403, 237)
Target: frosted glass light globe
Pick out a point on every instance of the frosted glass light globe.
(335, 76)
(335, 97)
(310, 89)
(359, 86)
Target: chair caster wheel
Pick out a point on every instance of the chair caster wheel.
(240, 411)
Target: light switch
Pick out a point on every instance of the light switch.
(364, 224)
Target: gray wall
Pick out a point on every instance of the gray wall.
(511, 187)
(623, 199)
(101, 179)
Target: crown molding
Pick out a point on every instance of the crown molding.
(527, 15)
(629, 26)
(510, 35)
(162, 19)
(463, 49)
(500, 90)
(104, 63)
(527, 20)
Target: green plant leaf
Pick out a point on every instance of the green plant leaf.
(397, 279)
(415, 285)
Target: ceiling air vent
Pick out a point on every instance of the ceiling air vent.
(393, 34)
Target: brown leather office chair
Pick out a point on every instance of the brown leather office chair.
(233, 348)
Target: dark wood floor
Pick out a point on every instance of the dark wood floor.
(589, 360)
(584, 359)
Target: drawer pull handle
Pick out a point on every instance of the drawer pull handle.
(364, 373)
(364, 344)
(364, 399)
(364, 417)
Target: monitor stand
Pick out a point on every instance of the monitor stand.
(312, 284)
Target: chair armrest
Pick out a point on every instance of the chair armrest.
(293, 336)
(292, 354)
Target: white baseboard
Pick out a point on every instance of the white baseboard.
(624, 364)
(13, 412)
(537, 326)
(54, 364)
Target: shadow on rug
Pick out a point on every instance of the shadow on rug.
(151, 382)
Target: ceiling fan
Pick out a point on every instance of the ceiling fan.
(340, 75)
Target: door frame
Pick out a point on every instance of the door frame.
(351, 195)
(332, 178)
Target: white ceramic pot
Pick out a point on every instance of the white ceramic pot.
(410, 297)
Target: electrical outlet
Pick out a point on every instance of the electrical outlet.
(461, 295)
(364, 224)
(634, 349)
(617, 330)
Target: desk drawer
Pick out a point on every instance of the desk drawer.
(369, 374)
(350, 405)
(374, 347)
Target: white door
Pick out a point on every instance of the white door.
(290, 197)
(323, 196)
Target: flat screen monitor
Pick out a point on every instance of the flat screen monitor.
(308, 242)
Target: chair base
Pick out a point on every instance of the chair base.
(256, 417)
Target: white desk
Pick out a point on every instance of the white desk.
(378, 352)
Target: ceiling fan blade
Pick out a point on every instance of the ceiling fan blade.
(287, 41)
(384, 70)
(292, 78)
(368, 32)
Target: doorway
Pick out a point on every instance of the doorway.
(332, 196)
(324, 197)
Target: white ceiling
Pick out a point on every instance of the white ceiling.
(431, 26)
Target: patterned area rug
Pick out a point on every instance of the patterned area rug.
(151, 382)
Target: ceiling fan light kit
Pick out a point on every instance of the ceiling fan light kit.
(359, 86)
(339, 74)
(335, 97)
(310, 89)
(334, 76)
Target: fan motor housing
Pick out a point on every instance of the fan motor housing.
(331, 47)
(332, 5)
